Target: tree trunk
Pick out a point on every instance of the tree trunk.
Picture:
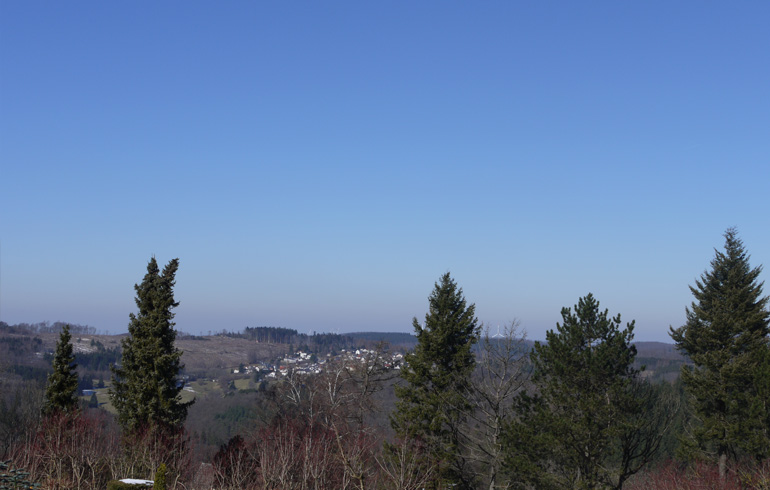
(722, 468)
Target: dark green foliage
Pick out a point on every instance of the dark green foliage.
(13, 478)
(187, 336)
(759, 411)
(276, 335)
(390, 338)
(22, 345)
(726, 338)
(31, 373)
(432, 402)
(317, 342)
(160, 478)
(145, 391)
(61, 391)
(322, 342)
(99, 360)
(592, 423)
(85, 382)
(236, 414)
(20, 354)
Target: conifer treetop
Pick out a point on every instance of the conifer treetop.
(726, 338)
(145, 389)
(62, 388)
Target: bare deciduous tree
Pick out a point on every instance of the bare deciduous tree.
(500, 375)
(405, 466)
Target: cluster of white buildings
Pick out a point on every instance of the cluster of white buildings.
(306, 363)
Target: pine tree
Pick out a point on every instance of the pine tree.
(61, 390)
(431, 404)
(145, 390)
(593, 422)
(726, 338)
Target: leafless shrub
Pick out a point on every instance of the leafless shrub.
(70, 451)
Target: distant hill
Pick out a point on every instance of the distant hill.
(395, 339)
(659, 350)
(25, 348)
(662, 361)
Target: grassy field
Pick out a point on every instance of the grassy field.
(200, 387)
(103, 397)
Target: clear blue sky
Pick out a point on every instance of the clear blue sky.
(318, 165)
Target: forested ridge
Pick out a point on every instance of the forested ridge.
(453, 405)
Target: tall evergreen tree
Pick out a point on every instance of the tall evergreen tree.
(726, 338)
(592, 423)
(431, 403)
(61, 392)
(145, 389)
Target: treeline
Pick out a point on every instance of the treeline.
(20, 354)
(394, 339)
(46, 327)
(315, 342)
(21, 345)
(274, 335)
(99, 360)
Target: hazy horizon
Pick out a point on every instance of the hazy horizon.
(320, 166)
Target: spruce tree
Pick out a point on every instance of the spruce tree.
(145, 389)
(726, 338)
(592, 422)
(437, 373)
(62, 388)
